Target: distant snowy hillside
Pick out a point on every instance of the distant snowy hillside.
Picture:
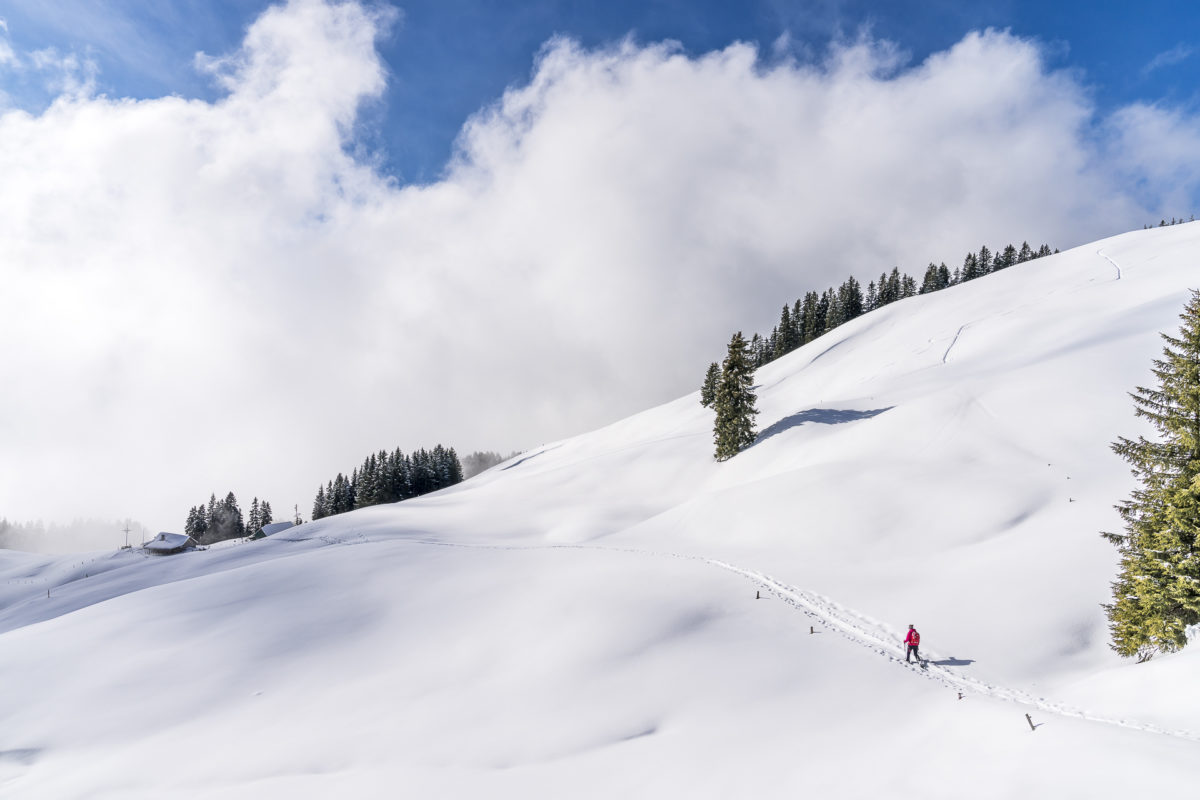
(617, 615)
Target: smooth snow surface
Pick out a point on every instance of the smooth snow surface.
(584, 621)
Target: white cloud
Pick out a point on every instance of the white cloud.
(7, 56)
(1169, 58)
(202, 297)
(65, 74)
(59, 73)
(1154, 149)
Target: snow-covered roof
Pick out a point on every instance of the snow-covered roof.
(168, 541)
(276, 527)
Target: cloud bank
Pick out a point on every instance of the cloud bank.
(199, 297)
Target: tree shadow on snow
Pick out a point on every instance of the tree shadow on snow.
(823, 416)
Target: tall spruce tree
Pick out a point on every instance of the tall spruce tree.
(931, 281)
(734, 430)
(784, 342)
(1157, 593)
(850, 297)
(811, 323)
(833, 315)
(320, 505)
(254, 521)
(970, 268)
(1005, 259)
(983, 262)
(756, 352)
(895, 286)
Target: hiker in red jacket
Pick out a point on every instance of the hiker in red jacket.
(913, 640)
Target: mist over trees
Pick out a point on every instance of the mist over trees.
(78, 535)
(483, 460)
(219, 520)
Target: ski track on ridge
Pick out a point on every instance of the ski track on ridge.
(1116, 266)
(858, 629)
(946, 354)
(963, 327)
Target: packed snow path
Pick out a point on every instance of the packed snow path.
(859, 629)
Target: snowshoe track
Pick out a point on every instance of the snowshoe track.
(862, 631)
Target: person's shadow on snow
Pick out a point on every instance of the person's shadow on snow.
(952, 662)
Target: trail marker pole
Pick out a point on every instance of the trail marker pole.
(1029, 719)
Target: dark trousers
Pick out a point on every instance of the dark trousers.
(912, 651)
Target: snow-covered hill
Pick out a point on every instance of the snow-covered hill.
(616, 615)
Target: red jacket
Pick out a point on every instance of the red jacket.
(913, 637)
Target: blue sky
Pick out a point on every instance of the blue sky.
(448, 58)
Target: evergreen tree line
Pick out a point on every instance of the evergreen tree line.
(388, 478)
(222, 519)
(1156, 596)
(815, 314)
(1162, 223)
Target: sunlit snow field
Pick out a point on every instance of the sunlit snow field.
(617, 615)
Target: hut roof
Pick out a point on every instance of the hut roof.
(168, 542)
(276, 527)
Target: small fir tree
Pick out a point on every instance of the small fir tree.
(734, 430)
(708, 391)
(1156, 596)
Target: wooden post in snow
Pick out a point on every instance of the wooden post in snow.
(1029, 719)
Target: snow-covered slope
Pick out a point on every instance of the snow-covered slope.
(617, 615)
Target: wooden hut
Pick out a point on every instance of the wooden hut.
(166, 544)
(271, 529)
